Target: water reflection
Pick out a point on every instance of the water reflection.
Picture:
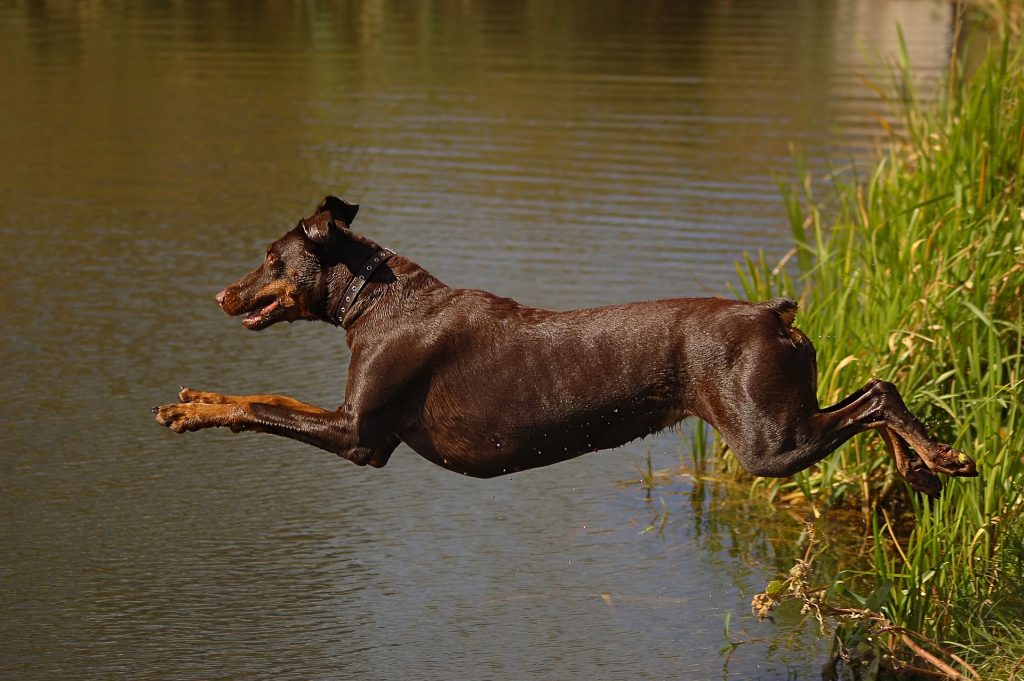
(551, 152)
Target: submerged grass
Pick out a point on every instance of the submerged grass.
(914, 273)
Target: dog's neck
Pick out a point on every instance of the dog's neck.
(360, 278)
(349, 276)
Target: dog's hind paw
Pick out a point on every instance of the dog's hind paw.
(922, 479)
(945, 459)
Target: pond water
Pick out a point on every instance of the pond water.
(564, 154)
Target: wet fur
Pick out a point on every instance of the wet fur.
(485, 386)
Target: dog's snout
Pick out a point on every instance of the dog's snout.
(220, 297)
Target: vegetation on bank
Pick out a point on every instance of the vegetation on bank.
(914, 273)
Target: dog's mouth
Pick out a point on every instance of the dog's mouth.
(264, 314)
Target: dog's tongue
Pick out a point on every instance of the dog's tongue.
(256, 318)
(269, 308)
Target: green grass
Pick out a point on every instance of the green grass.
(914, 273)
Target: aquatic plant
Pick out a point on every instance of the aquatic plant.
(914, 273)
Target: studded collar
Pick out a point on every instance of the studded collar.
(359, 280)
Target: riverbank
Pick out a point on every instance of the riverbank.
(914, 273)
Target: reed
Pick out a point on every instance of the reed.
(914, 273)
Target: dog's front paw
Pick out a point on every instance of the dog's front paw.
(190, 395)
(180, 417)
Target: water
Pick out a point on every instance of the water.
(556, 153)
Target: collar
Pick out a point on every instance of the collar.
(359, 280)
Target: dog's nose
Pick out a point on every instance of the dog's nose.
(220, 297)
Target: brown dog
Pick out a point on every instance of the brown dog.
(485, 386)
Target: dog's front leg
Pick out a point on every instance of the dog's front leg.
(341, 432)
(189, 395)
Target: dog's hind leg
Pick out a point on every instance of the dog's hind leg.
(877, 406)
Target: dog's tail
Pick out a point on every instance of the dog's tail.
(784, 308)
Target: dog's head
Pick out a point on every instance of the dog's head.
(292, 281)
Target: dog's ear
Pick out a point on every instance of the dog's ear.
(318, 228)
(332, 213)
(339, 209)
